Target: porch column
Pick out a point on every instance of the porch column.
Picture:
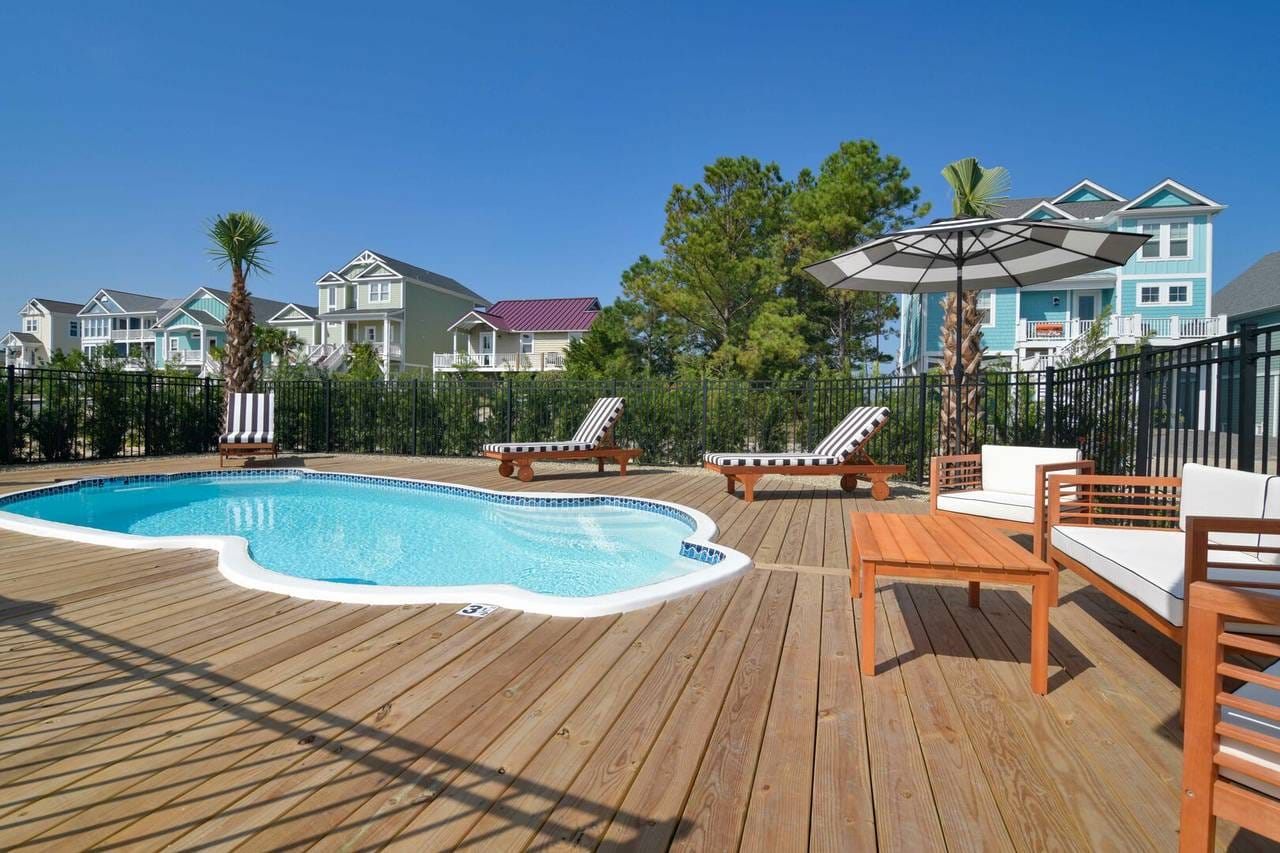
(165, 345)
(386, 347)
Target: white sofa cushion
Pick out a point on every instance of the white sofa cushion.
(1262, 725)
(1004, 505)
(1225, 492)
(1013, 469)
(1147, 564)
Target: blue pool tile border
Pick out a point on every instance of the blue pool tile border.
(701, 552)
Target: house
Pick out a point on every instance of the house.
(123, 324)
(518, 334)
(401, 310)
(1254, 295)
(45, 326)
(1163, 295)
(191, 327)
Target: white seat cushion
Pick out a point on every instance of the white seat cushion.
(1262, 757)
(1004, 505)
(1013, 469)
(540, 447)
(1237, 494)
(768, 460)
(1147, 564)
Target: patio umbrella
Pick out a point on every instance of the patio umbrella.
(980, 253)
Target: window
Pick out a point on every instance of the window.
(333, 298)
(371, 333)
(173, 344)
(986, 308)
(380, 291)
(1151, 248)
(1172, 293)
(1179, 294)
(1149, 294)
(73, 328)
(575, 336)
(526, 344)
(1169, 240)
(31, 325)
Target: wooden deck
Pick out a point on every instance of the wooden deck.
(147, 703)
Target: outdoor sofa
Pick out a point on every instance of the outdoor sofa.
(1231, 738)
(842, 452)
(593, 440)
(250, 427)
(1003, 484)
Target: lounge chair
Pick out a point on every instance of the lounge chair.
(1003, 484)
(250, 427)
(842, 452)
(1231, 739)
(593, 440)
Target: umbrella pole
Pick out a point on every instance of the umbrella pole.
(958, 367)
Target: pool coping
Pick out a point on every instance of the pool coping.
(235, 563)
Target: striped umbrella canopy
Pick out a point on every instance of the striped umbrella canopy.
(978, 253)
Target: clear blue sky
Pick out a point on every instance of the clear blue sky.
(527, 150)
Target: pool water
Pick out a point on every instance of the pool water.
(388, 533)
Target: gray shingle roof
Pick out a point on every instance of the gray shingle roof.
(26, 337)
(1081, 209)
(1254, 290)
(135, 302)
(428, 277)
(58, 305)
(263, 309)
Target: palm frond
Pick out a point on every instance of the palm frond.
(977, 191)
(239, 239)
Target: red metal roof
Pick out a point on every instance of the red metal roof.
(543, 315)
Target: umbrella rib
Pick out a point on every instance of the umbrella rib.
(996, 257)
(924, 272)
(1075, 251)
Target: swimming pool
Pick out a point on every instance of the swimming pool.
(381, 540)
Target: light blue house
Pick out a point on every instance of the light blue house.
(1163, 295)
(187, 332)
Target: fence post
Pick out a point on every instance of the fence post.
(207, 417)
(922, 428)
(704, 420)
(328, 417)
(146, 419)
(510, 392)
(415, 416)
(1142, 462)
(1050, 431)
(808, 421)
(11, 412)
(1247, 403)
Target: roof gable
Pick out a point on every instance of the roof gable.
(1046, 210)
(1087, 190)
(1170, 193)
(331, 277)
(293, 313)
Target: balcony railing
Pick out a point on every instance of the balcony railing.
(123, 336)
(535, 361)
(1124, 328)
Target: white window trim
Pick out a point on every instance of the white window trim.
(173, 343)
(333, 297)
(523, 337)
(1162, 292)
(30, 325)
(991, 307)
(379, 292)
(1162, 239)
(73, 328)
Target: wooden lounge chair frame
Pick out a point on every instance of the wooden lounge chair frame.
(1212, 609)
(963, 473)
(521, 464)
(859, 466)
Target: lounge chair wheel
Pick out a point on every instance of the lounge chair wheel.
(525, 473)
(880, 489)
(849, 482)
(506, 469)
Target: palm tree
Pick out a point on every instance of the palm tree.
(239, 239)
(276, 343)
(976, 191)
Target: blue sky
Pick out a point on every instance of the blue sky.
(527, 149)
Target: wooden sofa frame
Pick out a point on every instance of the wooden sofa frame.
(858, 466)
(1211, 608)
(521, 464)
(227, 450)
(963, 473)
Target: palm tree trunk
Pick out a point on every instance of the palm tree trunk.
(966, 406)
(238, 363)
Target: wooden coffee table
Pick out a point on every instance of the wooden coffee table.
(947, 548)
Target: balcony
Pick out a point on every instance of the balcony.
(1122, 328)
(498, 361)
(122, 336)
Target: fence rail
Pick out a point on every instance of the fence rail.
(1214, 401)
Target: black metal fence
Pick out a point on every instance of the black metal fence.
(1213, 401)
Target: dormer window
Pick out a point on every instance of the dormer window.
(380, 291)
(31, 325)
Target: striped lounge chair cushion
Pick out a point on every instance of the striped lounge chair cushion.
(841, 443)
(251, 419)
(538, 447)
(768, 460)
(603, 414)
